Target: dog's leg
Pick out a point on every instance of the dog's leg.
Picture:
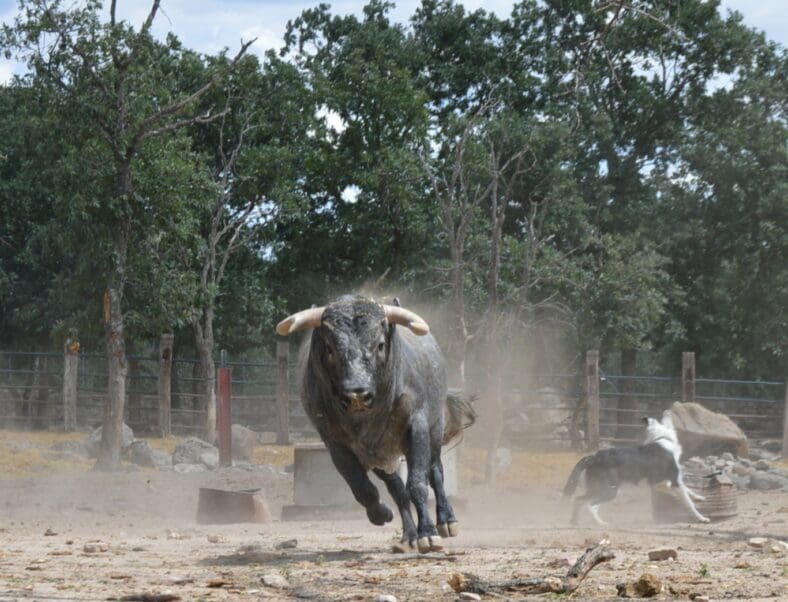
(594, 509)
(688, 503)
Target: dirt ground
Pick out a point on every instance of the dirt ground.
(75, 534)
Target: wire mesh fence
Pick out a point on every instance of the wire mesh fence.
(544, 409)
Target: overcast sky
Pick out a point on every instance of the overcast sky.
(210, 25)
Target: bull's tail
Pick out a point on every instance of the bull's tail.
(571, 483)
(459, 414)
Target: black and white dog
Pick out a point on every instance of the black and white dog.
(656, 460)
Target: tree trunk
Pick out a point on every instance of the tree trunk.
(112, 427)
(627, 422)
(203, 335)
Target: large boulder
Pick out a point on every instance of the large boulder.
(93, 443)
(702, 432)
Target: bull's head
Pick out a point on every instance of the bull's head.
(353, 344)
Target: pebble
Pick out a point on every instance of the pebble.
(469, 596)
(757, 542)
(276, 580)
(663, 554)
(385, 598)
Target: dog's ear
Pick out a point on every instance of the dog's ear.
(645, 420)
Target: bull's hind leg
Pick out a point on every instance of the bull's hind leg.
(419, 459)
(447, 522)
(400, 495)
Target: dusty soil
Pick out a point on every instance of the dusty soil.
(141, 527)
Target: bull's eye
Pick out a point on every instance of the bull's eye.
(381, 346)
(330, 354)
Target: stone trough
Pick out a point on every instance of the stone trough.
(319, 491)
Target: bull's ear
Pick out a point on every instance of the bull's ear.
(308, 318)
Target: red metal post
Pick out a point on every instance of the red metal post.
(223, 421)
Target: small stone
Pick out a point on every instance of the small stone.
(275, 580)
(49, 533)
(727, 456)
(216, 539)
(757, 542)
(762, 465)
(663, 554)
(446, 588)
(646, 586)
(287, 544)
(385, 598)
(95, 547)
(701, 599)
(469, 596)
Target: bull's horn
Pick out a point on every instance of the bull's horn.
(308, 318)
(400, 315)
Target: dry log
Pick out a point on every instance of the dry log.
(566, 584)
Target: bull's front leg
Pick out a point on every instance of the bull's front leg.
(363, 490)
(419, 460)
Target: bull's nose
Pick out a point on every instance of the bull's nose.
(358, 399)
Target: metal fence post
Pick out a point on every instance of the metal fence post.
(283, 393)
(223, 420)
(70, 379)
(688, 376)
(592, 397)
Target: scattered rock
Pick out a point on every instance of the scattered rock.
(95, 547)
(210, 458)
(287, 544)
(49, 532)
(646, 586)
(385, 598)
(188, 468)
(702, 431)
(663, 554)
(142, 454)
(701, 599)
(765, 481)
(757, 542)
(469, 596)
(244, 441)
(216, 539)
(190, 450)
(94, 440)
(275, 580)
(762, 465)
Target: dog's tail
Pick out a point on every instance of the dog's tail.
(459, 414)
(571, 483)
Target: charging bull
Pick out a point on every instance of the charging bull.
(374, 386)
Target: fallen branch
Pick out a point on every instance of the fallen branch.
(467, 582)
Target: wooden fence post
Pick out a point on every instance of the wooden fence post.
(688, 376)
(165, 385)
(283, 393)
(224, 418)
(785, 423)
(592, 397)
(70, 379)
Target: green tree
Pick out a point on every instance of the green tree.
(117, 89)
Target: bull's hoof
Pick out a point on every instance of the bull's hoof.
(431, 543)
(379, 514)
(451, 529)
(404, 547)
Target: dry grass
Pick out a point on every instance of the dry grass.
(23, 453)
